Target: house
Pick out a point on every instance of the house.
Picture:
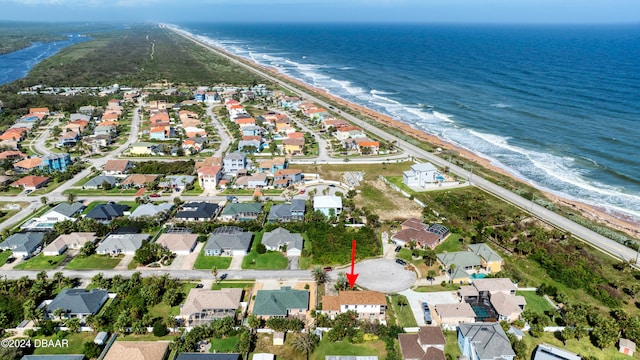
(12, 155)
(349, 132)
(245, 122)
(9, 144)
(463, 260)
(453, 314)
(23, 244)
(27, 165)
(107, 212)
(116, 244)
(116, 167)
(627, 347)
(179, 243)
(107, 130)
(77, 126)
(78, 303)
(500, 293)
(490, 260)
(250, 145)
(241, 211)
(258, 180)
(283, 302)
(281, 239)
(30, 182)
(53, 357)
(287, 212)
(369, 305)
(151, 210)
(17, 134)
(234, 162)
(293, 146)
(548, 352)
(272, 165)
(176, 181)
(251, 131)
(427, 344)
(229, 241)
(208, 177)
(139, 180)
(68, 138)
(367, 147)
(484, 341)
(144, 148)
(293, 175)
(203, 305)
(63, 242)
(137, 350)
(160, 132)
(55, 162)
(328, 205)
(197, 211)
(39, 111)
(421, 175)
(212, 356)
(61, 212)
(422, 234)
(100, 181)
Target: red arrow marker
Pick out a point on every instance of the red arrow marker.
(352, 277)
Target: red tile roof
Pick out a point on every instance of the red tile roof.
(30, 181)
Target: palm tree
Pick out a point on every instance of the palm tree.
(305, 342)
(319, 275)
(431, 275)
(71, 197)
(44, 200)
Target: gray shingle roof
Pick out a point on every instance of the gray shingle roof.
(107, 211)
(197, 210)
(484, 251)
(79, 301)
(234, 240)
(53, 357)
(100, 179)
(278, 237)
(242, 208)
(23, 242)
(488, 339)
(122, 242)
(67, 209)
(150, 209)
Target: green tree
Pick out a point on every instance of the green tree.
(431, 275)
(605, 333)
(91, 350)
(73, 324)
(160, 328)
(319, 275)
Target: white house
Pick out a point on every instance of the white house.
(421, 175)
(370, 305)
(325, 204)
(280, 239)
(208, 177)
(116, 244)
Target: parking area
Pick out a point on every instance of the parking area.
(415, 300)
(384, 275)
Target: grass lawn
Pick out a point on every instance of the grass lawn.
(85, 180)
(50, 186)
(93, 262)
(98, 192)
(225, 345)
(75, 341)
(451, 345)
(451, 244)
(197, 190)
(405, 253)
(4, 255)
(91, 206)
(208, 262)
(12, 191)
(581, 347)
(404, 315)
(368, 348)
(534, 302)
(41, 262)
(146, 337)
(437, 288)
(271, 260)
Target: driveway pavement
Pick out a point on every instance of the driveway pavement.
(294, 262)
(236, 263)
(384, 275)
(415, 300)
(124, 263)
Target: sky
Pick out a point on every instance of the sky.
(428, 11)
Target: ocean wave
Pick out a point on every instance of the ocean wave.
(500, 105)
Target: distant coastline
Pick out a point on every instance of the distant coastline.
(597, 214)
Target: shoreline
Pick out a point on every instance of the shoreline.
(592, 213)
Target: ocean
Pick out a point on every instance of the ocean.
(557, 106)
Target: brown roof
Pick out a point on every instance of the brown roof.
(413, 223)
(284, 172)
(354, 298)
(12, 154)
(30, 181)
(421, 236)
(116, 165)
(455, 310)
(29, 163)
(330, 303)
(199, 299)
(42, 110)
(494, 285)
(431, 335)
(507, 304)
(177, 241)
(294, 142)
(139, 179)
(209, 170)
(434, 354)
(210, 161)
(13, 133)
(296, 135)
(137, 350)
(409, 346)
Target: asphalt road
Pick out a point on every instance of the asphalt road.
(177, 274)
(605, 244)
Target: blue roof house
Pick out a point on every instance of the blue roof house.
(55, 162)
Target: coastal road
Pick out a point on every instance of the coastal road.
(605, 244)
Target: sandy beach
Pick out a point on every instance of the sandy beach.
(593, 213)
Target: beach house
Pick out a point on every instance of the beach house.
(421, 175)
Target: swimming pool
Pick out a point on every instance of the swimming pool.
(478, 276)
(481, 312)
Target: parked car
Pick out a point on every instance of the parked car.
(302, 191)
(223, 276)
(398, 248)
(401, 262)
(154, 195)
(199, 286)
(327, 268)
(10, 260)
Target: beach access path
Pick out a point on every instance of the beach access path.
(605, 244)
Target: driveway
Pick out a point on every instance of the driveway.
(384, 275)
(415, 300)
(294, 262)
(124, 263)
(236, 263)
